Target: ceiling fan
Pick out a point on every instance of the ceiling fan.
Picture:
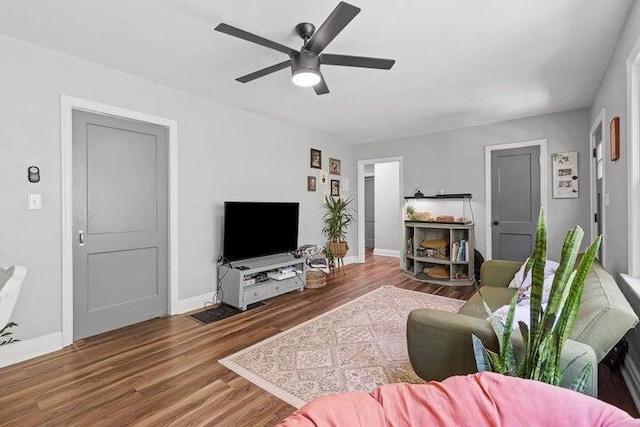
(305, 63)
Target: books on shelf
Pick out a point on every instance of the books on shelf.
(459, 251)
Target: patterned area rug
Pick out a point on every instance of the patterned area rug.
(355, 347)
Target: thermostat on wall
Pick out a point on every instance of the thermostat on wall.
(33, 173)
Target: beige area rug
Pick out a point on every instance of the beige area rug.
(355, 347)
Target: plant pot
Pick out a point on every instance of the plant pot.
(338, 249)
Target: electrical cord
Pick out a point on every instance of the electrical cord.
(218, 293)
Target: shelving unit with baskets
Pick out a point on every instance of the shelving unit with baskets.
(439, 239)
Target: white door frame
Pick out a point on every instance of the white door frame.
(67, 105)
(600, 120)
(360, 217)
(487, 181)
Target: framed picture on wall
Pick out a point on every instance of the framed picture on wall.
(316, 158)
(565, 175)
(335, 187)
(311, 183)
(614, 138)
(324, 180)
(334, 166)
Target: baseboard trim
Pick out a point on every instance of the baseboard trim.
(631, 377)
(24, 350)
(193, 303)
(350, 260)
(387, 252)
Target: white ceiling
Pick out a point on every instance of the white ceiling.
(458, 62)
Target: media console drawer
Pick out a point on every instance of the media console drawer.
(254, 294)
(284, 286)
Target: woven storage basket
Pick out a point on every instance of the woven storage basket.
(437, 248)
(315, 279)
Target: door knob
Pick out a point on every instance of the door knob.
(81, 237)
(496, 222)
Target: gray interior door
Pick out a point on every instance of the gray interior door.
(369, 212)
(515, 201)
(120, 254)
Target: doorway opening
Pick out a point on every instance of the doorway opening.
(380, 206)
(599, 198)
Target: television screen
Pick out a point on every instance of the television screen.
(255, 229)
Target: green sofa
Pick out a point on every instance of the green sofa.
(439, 342)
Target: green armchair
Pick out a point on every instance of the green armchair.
(439, 343)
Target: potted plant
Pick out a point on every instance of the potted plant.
(336, 220)
(548, 327)
(5, 334)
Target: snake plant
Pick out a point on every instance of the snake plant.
(549, 327)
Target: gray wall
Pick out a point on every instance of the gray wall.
(612, 95)
(454, 161)
(387, 206)
(223, 154)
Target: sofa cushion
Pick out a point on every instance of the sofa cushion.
(495, 298)
(605, 315)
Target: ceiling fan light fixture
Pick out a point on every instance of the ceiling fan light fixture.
(305, 69)
(305, 77)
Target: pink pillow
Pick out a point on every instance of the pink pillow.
(484, 399)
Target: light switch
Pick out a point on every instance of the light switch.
(345, 185)
(34, 201)
(606, 199)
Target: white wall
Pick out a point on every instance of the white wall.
(387, 208)
(612, 95)
(454, 162)
(223, 154)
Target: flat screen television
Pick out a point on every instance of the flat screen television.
(256, 229)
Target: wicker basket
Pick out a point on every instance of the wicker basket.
(315, 279)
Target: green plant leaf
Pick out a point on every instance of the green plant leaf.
(570, 250)
(337, 218)
(580, 382)
(6, 333)
(537, 283)
(506, 346)
(482, 359)
(497, 364)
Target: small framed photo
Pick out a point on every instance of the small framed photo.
(324, 180)
(311, 183)
(316, 159)
(335, 187)
(614, 138)
(334, 166)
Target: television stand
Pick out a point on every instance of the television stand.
(247, 281)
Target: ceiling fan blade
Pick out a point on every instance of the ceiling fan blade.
(331, 27)
(237, 32)
(264, 72)
(321, 88)
(357, 61)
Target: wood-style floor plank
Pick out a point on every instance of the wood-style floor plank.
(165, 371)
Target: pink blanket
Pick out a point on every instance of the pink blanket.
(484, 399)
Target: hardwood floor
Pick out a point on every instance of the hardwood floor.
(165, 371)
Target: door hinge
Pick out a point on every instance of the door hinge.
(595, 217)
(594, 153)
